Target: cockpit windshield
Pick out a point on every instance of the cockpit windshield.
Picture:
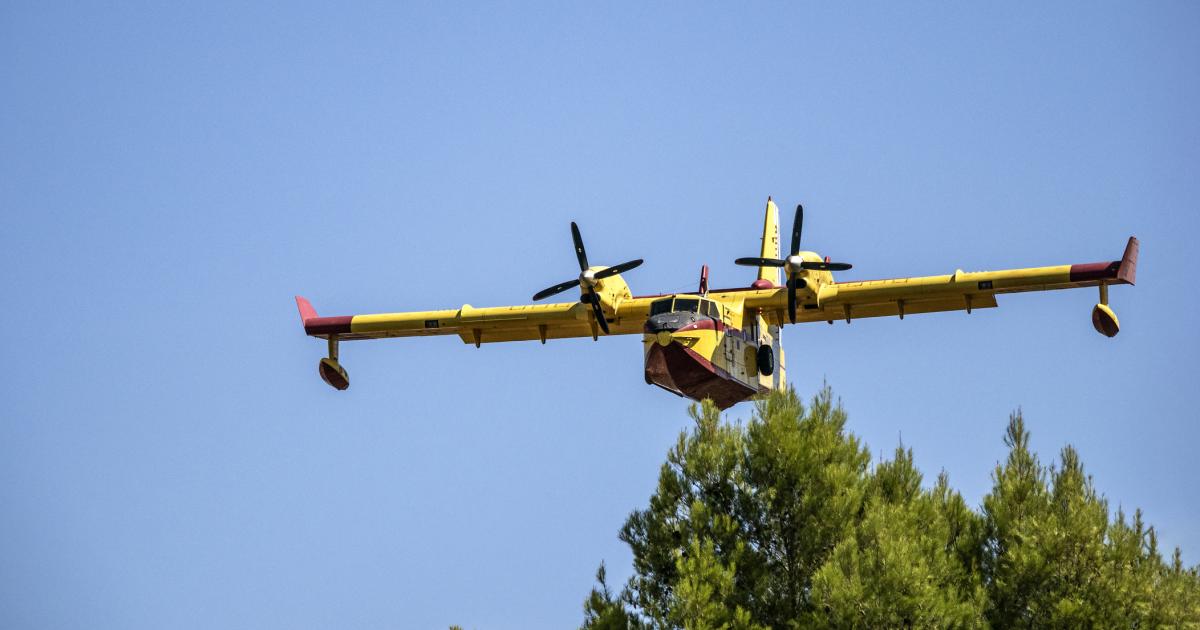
(658, 307)
(686, 305)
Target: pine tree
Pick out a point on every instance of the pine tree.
(780, 524)
(806, 479)
(1015, 568)
(748, 514)
(902, 568)
(603, 611)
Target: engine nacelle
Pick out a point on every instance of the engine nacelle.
(1105, 321)
(333, 373)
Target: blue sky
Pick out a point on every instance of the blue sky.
(172, 176)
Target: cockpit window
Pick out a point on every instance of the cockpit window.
(686, 305)
(690, 305)
(658, 307)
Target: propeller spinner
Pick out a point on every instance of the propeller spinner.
(587, 279)
(793, 264)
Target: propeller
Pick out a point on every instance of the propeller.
(793, 264)
(587, 279)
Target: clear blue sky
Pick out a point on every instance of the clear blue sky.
(172, 176)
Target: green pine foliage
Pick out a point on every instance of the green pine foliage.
(784, 523)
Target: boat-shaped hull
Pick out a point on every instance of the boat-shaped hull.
(686, 372)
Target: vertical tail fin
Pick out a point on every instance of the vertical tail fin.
(770, 244)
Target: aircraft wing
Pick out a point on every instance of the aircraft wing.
(929, 294)
(477, 325)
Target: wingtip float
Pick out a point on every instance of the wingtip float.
(1104, 320)
(723, 344)
(330, 370)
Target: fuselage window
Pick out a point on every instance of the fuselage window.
(712, 310)
(687, 304)
(658, 307)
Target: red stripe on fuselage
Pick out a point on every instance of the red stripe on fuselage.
(703, 324)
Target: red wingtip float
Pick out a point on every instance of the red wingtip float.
(724, 344)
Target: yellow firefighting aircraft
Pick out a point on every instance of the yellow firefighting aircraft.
(723, 344)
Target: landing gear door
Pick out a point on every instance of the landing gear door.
(770, 336)
(779, 378)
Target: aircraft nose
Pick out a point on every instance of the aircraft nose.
(668, 322)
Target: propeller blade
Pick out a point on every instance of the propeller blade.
(580, 252)
(583, 282)
(824, 266)
(791, 300)
(616, 269)
(600, 319)
(797, 225)
(760, 262)
(558, 288)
